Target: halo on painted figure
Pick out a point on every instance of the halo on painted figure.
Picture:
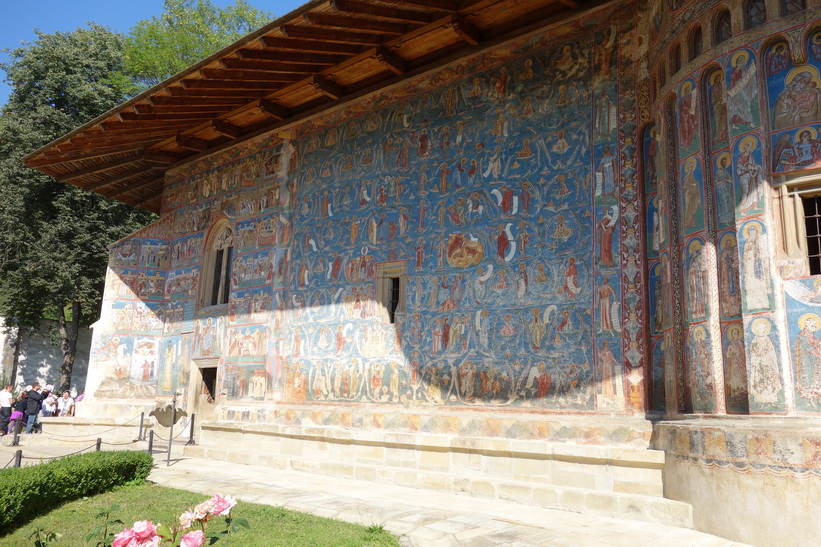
(816, 76)
(742, 145)
(811, 130)
(690, 165)
(724, 155)
(739, 57)
(752, 224)
(733, 329)
(761, 326)
(715, 76)
(694, 246)
(699, 333)
(727, 240)
(802, 321)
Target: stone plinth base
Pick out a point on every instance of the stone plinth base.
(751, 479)
(500, 456)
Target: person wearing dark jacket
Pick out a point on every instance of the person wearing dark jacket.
(33, 406)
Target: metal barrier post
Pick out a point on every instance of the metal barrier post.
(18, 458)
(99, 443)
(140, 436)
(191, 430)
(17, 426)
(171, 429)
(150, 441)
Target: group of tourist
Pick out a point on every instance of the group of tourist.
(31, 404)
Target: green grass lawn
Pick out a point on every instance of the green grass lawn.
(270, 526)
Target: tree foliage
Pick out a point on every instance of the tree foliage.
(186, 32)
(53, 236)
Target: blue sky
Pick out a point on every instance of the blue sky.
(21, 17)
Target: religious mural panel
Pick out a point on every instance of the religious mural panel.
(742, 92)
(803, 299)
(766, 385)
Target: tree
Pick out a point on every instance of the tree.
(53, 236)
(186, 32)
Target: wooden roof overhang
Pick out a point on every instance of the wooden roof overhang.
(316, 57)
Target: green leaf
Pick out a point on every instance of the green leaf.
(243, 522)
(164, 531)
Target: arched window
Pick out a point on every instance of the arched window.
(675, 59)
(755, 14)
(789, 7)
(723, 29)
(696, 42)
(216, 265)
(662, 76)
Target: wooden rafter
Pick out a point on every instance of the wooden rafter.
(192, 143)
(342, 36)
(131, 173)
(327, 87)
(382, 12)
(268, 66)
(272, 109)
(355, 23)
(136, 186)
(313, 46)
(291, 57)
(226, 129)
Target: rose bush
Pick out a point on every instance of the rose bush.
(147, 534)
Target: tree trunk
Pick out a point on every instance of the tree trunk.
(69, 331)
(18, 345)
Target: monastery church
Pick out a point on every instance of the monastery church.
(561, 252)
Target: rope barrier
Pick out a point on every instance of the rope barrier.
(10, 462)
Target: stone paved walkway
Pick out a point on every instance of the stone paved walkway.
(419, 517)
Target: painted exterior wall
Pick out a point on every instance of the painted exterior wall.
(503, 185)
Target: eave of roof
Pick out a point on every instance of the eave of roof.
(312, 59)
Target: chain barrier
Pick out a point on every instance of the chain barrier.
(91, 434)
(10, 462)
(177, 436)
(44, 459)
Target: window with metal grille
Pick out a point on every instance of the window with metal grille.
(217, 261)
(812, 226)
(390, 289)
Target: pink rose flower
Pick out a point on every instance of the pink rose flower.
(150, 542)
(202, 510)
(144, 530)
(193, 539)
(222, 506)
(126, 538)
(187, 518)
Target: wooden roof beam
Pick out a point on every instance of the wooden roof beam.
(84, 154)
(466, 31)
(313, 46)
(273, 109)
(354, 23)
(357, 8)
(393, 62)
(225, 75)
(99, 168)
(180, 109)
(270, 66)
(216, 93)
(165, 100)
(291, 57)
(136, 186)
(128, 116)
(118, 178)
(327, 87)
(232, 84)
(342, 36)
(226, 129)
(192, 143)
(160, 157)
(441, 5)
